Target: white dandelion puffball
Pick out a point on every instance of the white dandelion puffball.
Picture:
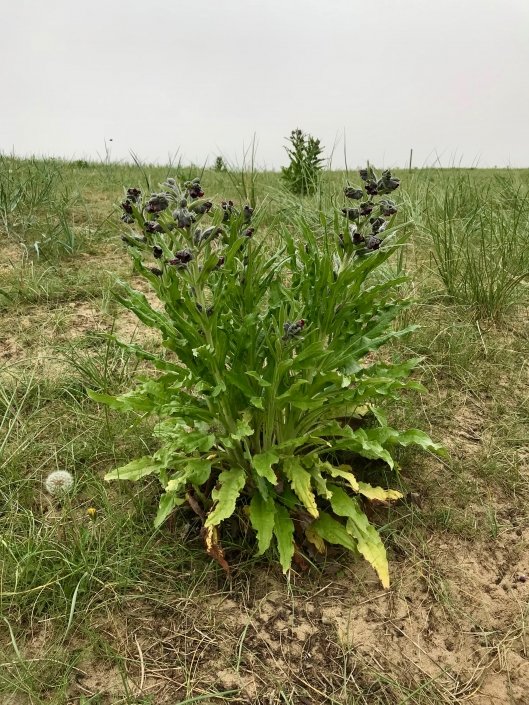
(59, 483)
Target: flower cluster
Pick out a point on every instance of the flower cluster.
(367, 220)
(173, 231)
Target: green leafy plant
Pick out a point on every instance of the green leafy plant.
(270, 379)
(302, 175)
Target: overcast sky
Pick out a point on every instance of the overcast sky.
(448, 78)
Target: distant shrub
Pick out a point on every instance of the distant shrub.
(219, 164)
(302, 175)
(81, 164)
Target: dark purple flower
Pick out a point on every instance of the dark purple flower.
(157, 202)
(157, 252)
(194, 189)
(248, 232)
(181, 259)
(372, 188)
(156, 271)
(201, 208)
(228, 208)
(133, 194)
(152, 226)
(373, 243)
(366, 208)
(387, 207)
(352, 192)
(127, 207)
(388, 183)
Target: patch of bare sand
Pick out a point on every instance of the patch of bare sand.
(454, 624)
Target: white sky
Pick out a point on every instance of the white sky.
(449, 78)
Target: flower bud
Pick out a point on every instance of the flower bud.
(127, 206)
(352, 192)
(156, 271)
(126, 218)
(193, 188)
(157, 252)
(247, 212)
(248, 232)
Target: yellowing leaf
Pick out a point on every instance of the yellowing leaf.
(262, 516)
(231, 483)
(284, 533)
(343, 471)
(378, 493)
(369, 543)
(300, 481)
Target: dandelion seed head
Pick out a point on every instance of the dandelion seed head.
(59, 483)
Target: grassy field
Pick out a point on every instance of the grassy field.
(113, 612)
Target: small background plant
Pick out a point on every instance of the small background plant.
(302, 175)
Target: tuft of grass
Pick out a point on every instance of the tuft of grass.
(478, 239)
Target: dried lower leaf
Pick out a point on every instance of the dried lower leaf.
(213, 547)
